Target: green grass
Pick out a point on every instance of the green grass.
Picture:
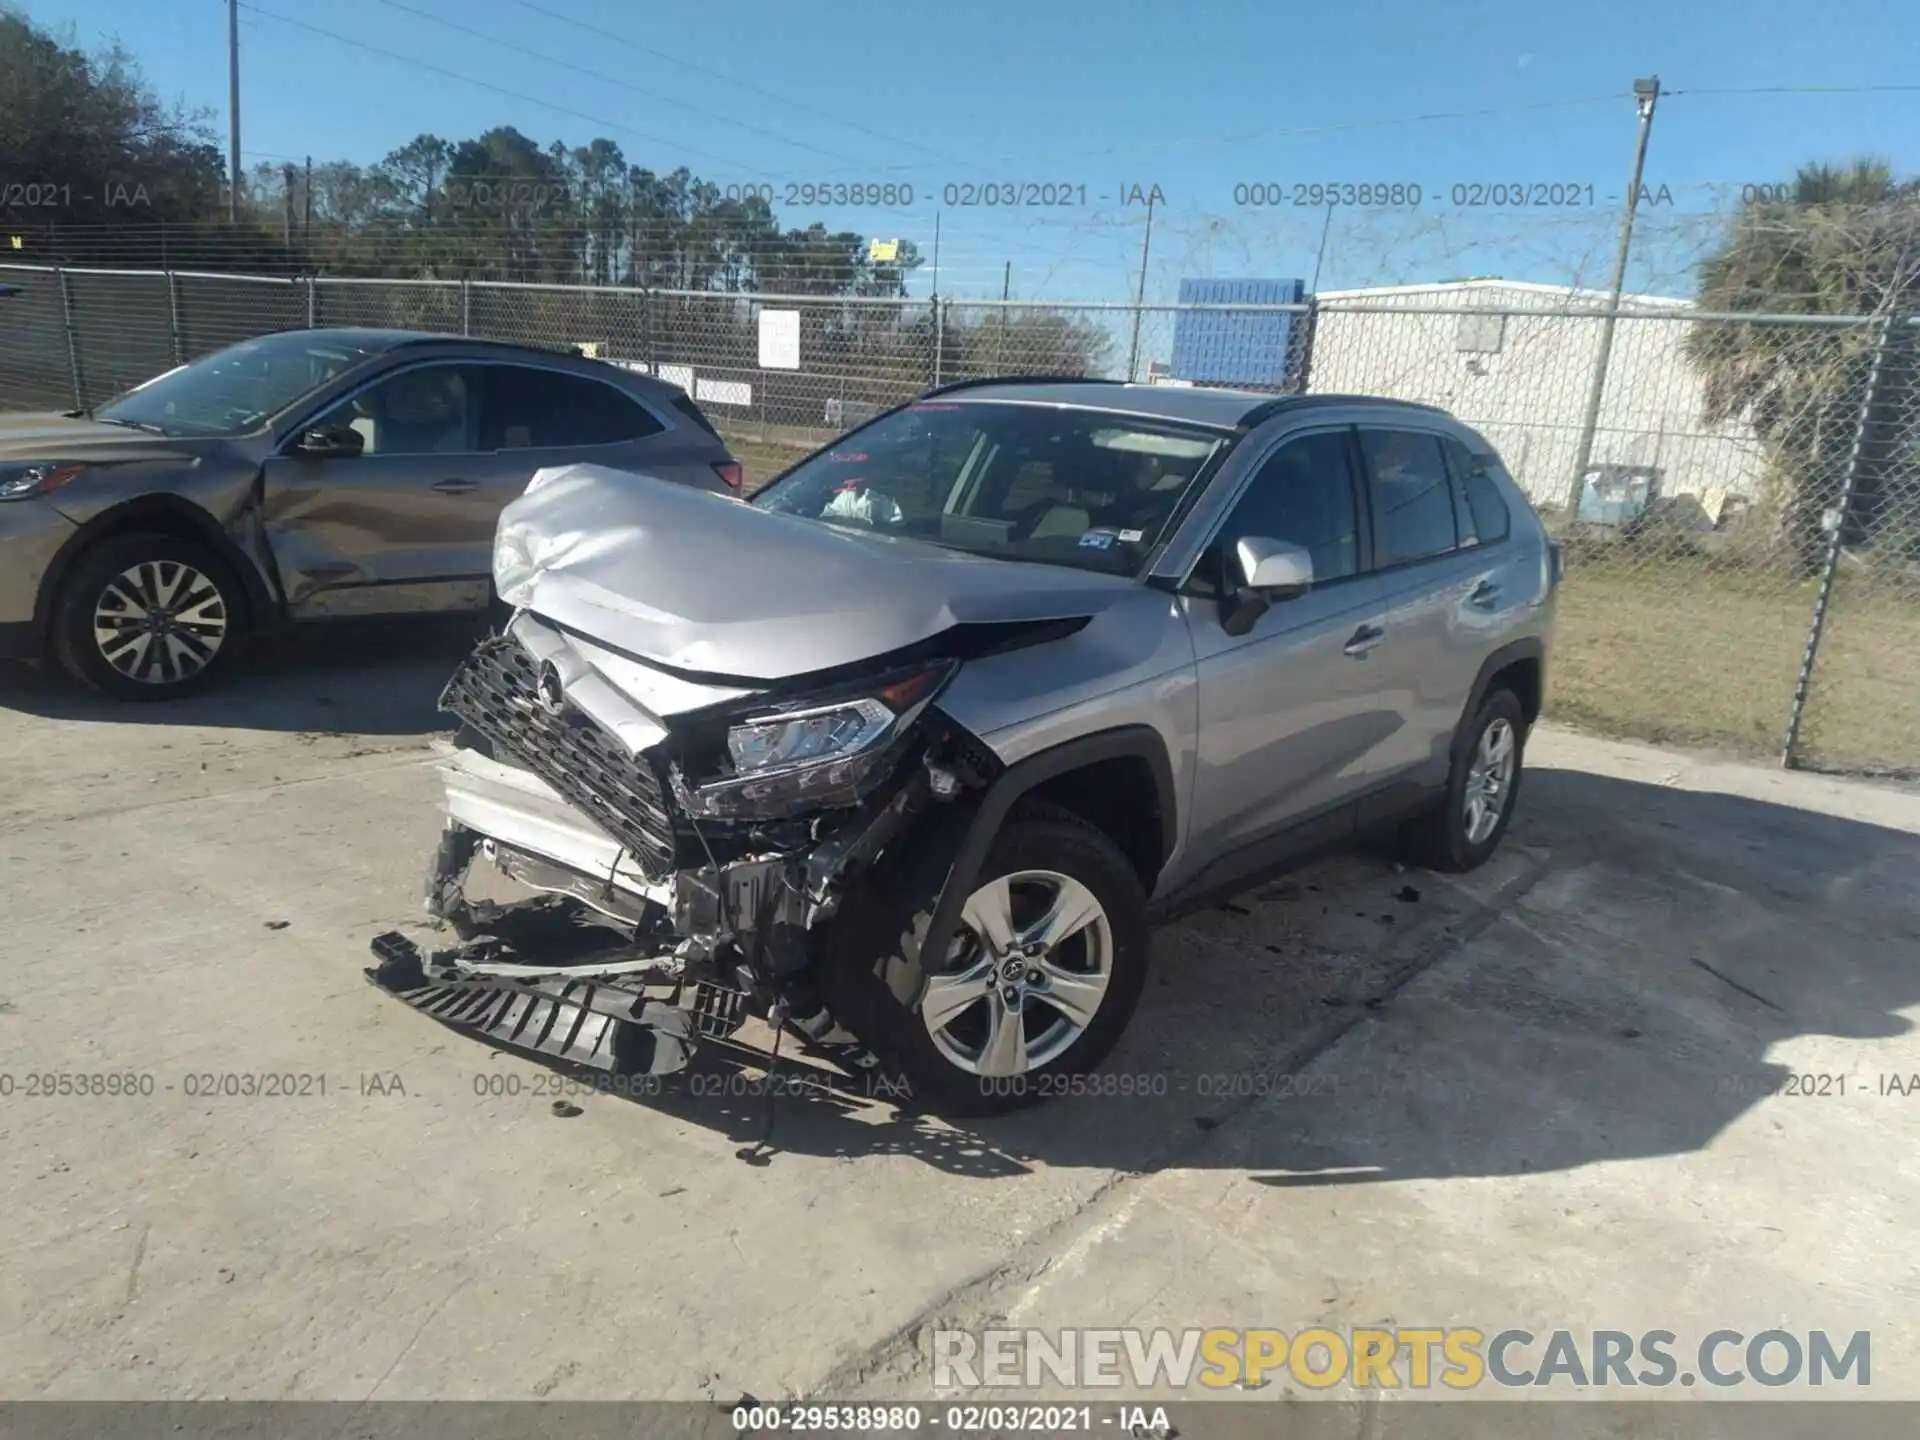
(1680, 652)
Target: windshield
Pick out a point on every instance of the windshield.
(1085, 488)
(233, 391)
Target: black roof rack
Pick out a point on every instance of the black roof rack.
(953, 385)
(1266, 410)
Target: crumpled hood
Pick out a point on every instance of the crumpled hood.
(697, 581)
(61, 437)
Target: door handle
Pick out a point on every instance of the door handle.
(1364, 639)
(1485, 595)
(456, 487)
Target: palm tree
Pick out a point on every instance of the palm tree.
(1845, 241)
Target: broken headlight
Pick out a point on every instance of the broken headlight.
(816, 752)
(35, 477)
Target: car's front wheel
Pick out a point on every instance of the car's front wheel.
(1039, 982)
(150, 617)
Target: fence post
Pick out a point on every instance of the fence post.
(173, 319)
(466, 306)
(1836, 521)
(939, 339)
(313, 304)
(73, 343)
(1307, 322)
(648, 336)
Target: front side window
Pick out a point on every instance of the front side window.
(1412, 500)
(537, 409)
(427, 410)
(1303, 494)
(1044, 483)
(234, 391)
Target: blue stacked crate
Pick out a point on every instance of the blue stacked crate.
(1235, 347)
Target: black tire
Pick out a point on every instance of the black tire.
(892, 907)
(1441, 839)
(209, 620)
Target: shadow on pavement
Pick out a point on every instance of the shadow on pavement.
(1615, 997)
(358, 677)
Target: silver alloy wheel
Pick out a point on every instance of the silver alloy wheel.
(1489, 781)
(160, 622)
(1029, 973)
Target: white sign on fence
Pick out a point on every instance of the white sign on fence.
(779, 339)
(681, 375)
(639, 367)
(723, 392)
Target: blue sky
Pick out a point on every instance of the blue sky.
(1192, 98)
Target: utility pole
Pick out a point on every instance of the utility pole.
(1006, 293)
(1646, 94)
(1321, 254)
(1140, 291)
(306, 219)
(939, 314)
(233, 110)
(286, 202)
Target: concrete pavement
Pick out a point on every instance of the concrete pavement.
(1552, 1094)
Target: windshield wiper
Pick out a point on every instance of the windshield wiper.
(130, 424)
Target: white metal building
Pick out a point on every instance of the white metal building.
(1484, 350)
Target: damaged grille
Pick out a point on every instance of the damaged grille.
(496, 690)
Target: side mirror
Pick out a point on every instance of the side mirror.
(341, 444)
(1262, 572)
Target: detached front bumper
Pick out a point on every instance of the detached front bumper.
(650, 932)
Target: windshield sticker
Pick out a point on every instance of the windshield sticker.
(1096, 540)
(1132, 537)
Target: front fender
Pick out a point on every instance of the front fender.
(963, 838)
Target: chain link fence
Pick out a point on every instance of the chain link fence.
(1743, 540)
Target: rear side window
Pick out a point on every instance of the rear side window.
(683, 402)
(1485, 504)
(528, 408)
(1413, 517)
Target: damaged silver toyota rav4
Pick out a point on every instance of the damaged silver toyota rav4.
(906, 755)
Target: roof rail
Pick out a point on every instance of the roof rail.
(954, 385)
(1266, 410)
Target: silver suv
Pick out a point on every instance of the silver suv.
(907, 755)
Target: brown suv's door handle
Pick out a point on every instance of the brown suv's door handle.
(1364, 639)
(456, 487)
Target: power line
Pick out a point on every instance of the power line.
(489, 85)
(604, 78)
(731, 80)
(1289, 132)
(1800, 90)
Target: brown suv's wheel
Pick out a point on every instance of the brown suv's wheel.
(149, 617)
(1043, 975)
(1465, 827)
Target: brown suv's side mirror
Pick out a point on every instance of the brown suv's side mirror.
(341, 444)
(1262, 572)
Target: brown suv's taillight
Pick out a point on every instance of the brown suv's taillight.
(731, 473)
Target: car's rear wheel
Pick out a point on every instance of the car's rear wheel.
(1039, 982)
(1465, 827)
(150, 617)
